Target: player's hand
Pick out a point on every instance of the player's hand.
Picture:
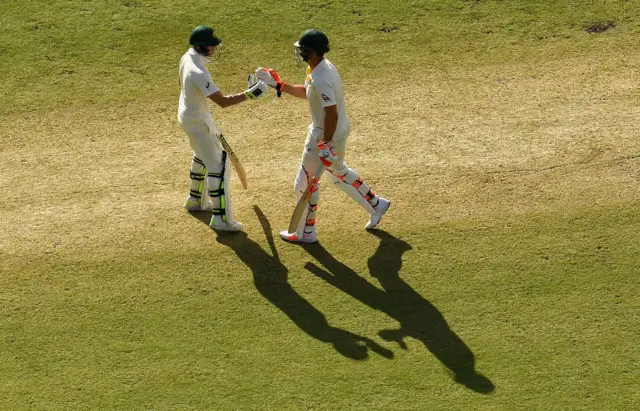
(256, 91)
(251, 80)
(326, 153)
(315, 183)
(270, 78)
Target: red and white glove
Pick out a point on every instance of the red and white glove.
(326, 153)
(314, 184)
(270, 78)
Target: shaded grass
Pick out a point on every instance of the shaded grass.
(131, 315)
(543, 303)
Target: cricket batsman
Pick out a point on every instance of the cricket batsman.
(326, 137)
(209, 173)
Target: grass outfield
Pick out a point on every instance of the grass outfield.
(505, 275)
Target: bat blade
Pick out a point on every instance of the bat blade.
(302, 203)
(237, 165)
(242, 175)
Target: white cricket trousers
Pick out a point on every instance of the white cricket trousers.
(203, 139)
(345, 178)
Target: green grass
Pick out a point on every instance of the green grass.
(547, 306)
(506, 277)
(61, 53)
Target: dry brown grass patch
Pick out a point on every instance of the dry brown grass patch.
(509, 138)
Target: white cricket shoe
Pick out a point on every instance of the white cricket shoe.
(194, 204)
(381, 209)
(218, 225)
(307, 238)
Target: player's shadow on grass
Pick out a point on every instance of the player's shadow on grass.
(270, 279)
(418, 318)
(204, 216)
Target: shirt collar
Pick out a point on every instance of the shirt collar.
(317, 68)
(199, 58)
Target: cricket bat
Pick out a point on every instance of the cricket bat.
(302, 203)
(242, 175)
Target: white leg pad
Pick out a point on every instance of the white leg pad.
(219, 190)
(197, 179)
(346, 184)
(308, 219)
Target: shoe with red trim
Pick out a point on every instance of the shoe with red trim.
(307, 238)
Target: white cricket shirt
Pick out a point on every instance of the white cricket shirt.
(324, 88)
(196, 85)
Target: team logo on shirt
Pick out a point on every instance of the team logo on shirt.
(208, 84)
(325, 98)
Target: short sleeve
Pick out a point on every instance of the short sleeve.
(326, 93)
(203, 82)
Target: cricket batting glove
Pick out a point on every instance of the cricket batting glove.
(251, 80)
(256, 91)
(314, 184)
(270, 78)
(326, 153)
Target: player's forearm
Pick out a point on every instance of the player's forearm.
(230, 100)
(296, 90)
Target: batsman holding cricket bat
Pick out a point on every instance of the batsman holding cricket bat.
(326, 138)
(209, 187)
